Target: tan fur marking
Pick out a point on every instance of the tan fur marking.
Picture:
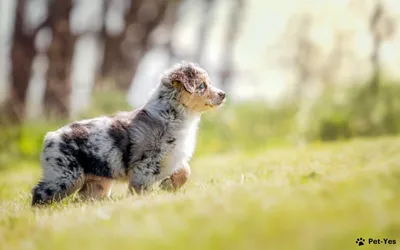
(194, 102)
(77, 131)
(177, 179)
(96, 187)
(180, 177)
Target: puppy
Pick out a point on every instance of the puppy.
(149, 145)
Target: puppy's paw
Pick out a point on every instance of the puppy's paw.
(167, 185)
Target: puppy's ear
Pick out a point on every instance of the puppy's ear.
(189, 86)
(179, 79)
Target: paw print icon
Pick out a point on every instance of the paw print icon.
(360, 241)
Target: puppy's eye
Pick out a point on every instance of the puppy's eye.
(202, 86)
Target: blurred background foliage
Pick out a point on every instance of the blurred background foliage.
(322, 93)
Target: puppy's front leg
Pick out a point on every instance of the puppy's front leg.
(177, 179)
(143, 175)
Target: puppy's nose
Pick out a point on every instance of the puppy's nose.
(221, 94)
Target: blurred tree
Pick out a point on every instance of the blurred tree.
(123, 52)
(100, 73)
(381, 28)
(300, 52)
(374, 20)
(22, 54)
(206, 23)
(235, 19)
(60, 54)
(304, 53)
(168, 24)
(332, 65)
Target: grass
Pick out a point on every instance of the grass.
(322, 196)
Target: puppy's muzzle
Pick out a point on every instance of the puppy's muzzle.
(219, 99)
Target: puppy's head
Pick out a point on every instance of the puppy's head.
(195, 91)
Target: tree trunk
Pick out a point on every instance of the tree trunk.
(235, 19)
(60, 53)
(22, 55)
(304, 55)
(377, 40)
(169, 23)
(123, 52)
(100, 71)
(208, 7)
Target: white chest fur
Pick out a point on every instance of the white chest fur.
(184, 147)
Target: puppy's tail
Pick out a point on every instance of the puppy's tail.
(46, 192)
(39, 194)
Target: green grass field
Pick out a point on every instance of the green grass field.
(322, 196)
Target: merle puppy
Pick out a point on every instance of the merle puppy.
(149, 145)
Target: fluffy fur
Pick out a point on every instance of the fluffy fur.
(149, 145)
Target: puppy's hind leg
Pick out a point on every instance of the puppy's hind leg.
(57, 186)
(96, 188)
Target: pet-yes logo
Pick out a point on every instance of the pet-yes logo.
(384, 241)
